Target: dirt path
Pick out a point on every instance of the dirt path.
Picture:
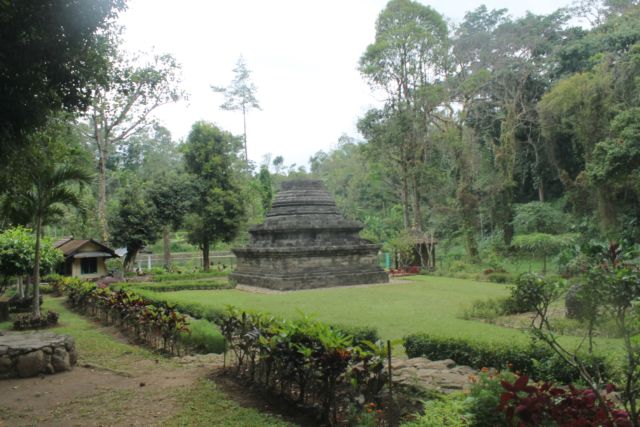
(93, 396)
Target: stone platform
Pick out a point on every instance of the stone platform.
(34, 353)
(305, 243)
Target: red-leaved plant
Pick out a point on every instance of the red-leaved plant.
(533, 405)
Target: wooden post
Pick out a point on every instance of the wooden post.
(390, 370)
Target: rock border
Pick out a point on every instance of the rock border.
(28, 354)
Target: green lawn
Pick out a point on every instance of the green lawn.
(419, 304)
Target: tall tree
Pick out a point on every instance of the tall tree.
(240, 95)
(172, 196)
(407, 61)
(51, 53)
(123, 107)
(217, 214)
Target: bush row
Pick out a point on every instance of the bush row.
(159, 325)
(179, 285)
(213, 314)
(539, 362)
(306, 361)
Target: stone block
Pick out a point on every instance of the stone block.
(60, 360)
(5, 364)
(30, 364)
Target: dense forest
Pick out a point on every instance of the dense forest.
(496, 134)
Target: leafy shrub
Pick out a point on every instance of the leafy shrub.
(202, 337)
(500, 277)
(531, 290)
(193, 309)
(359, 333)
(28, 321)
(158, 325)
(535, 360)
(484, 398)
(486, 309)
(540, 217)
(46, 289)
(307, 361)
(460, 267)
(544, 404)
(21, 305)
(450, 410)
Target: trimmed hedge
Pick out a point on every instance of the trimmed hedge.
(199, 311)
(538, 362)
(169, 277)
(178, 285)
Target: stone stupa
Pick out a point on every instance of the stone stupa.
(306, 243)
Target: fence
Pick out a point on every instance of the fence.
(222, 259)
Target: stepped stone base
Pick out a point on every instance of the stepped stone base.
(30, 354)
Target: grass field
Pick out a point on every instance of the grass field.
(417, 304)
(420, 304)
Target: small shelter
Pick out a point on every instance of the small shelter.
(423, 253)
(84, 258)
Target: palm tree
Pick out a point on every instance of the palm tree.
(50, 188)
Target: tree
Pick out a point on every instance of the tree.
(123, 107)
(172, 196)
(407, 61)
(240, 95)
(52, 53)
(49, 187)
(135, 224)
(218, 212)
(17, 256)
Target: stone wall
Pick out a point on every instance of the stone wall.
(34, 353)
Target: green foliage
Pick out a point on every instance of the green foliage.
(53, 52)
(321, 362)
(487, 309)
(159, 325)
(218, 213)
(134, 224)
(451, 410)
(534, 290)
(540, 217)
(17, 257)
(484, 398)
(203, 337)
(180, 285)
(172, 196)
(535, 360)
(28, 321)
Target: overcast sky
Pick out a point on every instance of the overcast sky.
(303, 56)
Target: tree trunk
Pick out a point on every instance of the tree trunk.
(205, 256)
(129, 259)
(417, 214)
(166, 246)
(102, 194)
(541, 191)
(244, 125)
(405, 198)
(36, 270)
(20, 287)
